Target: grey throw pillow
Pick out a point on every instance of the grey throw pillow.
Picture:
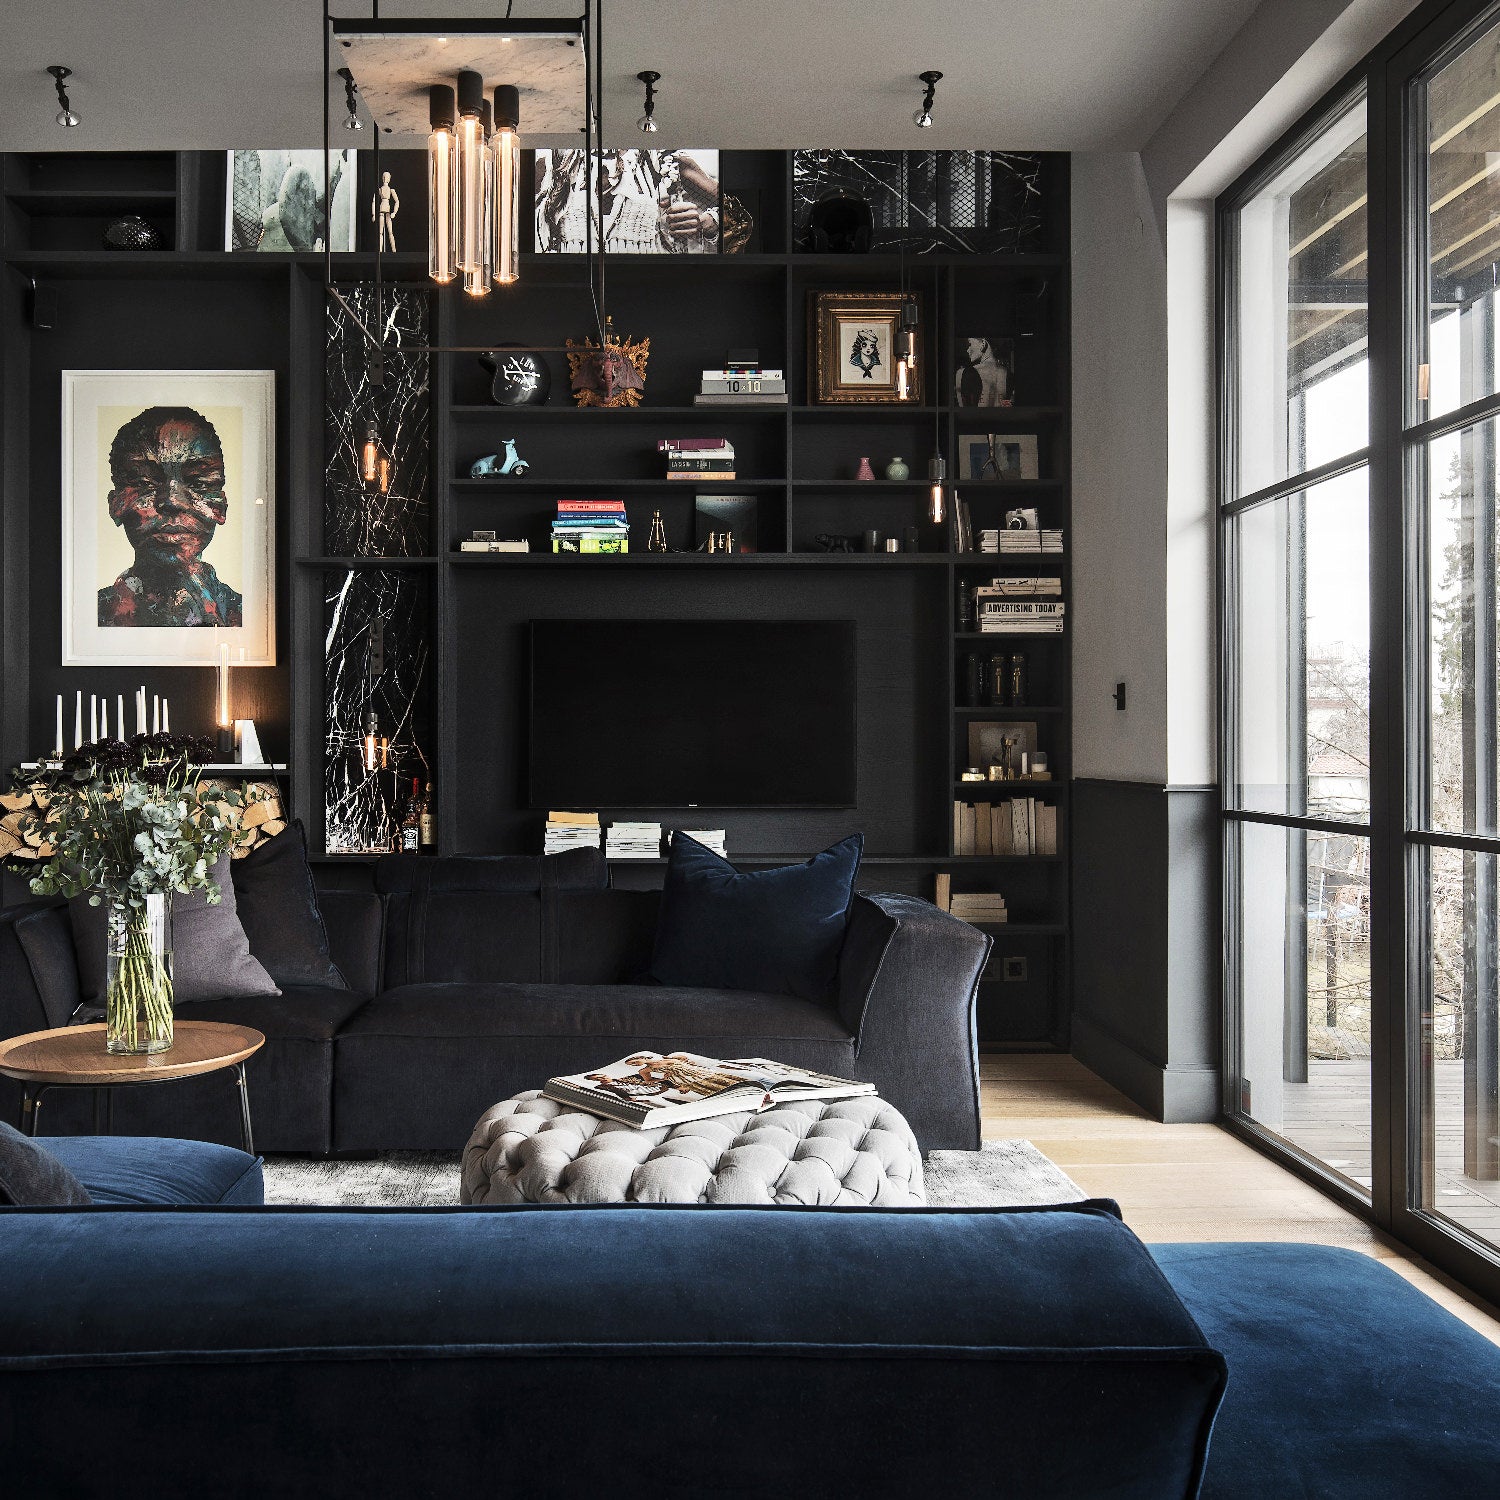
(33, 1178)
(211, 957)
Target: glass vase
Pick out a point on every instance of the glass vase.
(138, 977)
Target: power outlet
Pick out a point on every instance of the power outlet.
(1013, 969)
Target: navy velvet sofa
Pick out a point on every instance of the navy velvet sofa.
(471, 979)
(685, 1351)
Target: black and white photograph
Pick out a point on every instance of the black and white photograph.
(653, 202)
(985, 375)
(276, 201)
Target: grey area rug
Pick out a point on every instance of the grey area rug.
(1004, 1174)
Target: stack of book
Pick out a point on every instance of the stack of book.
(1019, 616)
(710, 838)
(742, 382)
(1009, 540)
(1019, 825)
(1019, 588)
(633, 841)
(591, 526)
(697, 459)
(982, 908)
(571, 830)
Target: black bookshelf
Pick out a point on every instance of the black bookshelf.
(192, 303)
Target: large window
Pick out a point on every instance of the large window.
(1297, 630)
(1360, 537)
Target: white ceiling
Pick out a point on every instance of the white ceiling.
(1064, 75)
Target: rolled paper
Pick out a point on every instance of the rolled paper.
(78, 721)
(93, 718)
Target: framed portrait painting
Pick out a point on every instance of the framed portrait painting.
(168, 520)
(851, 339)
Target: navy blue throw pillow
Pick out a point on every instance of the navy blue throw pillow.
(774, 931)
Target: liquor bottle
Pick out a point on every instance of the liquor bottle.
(997, 680)
(1018, 682)
(428, 818)
(965, 606)
(409, 834)
(973, 680)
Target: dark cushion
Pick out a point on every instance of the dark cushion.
(419, 1065)
(34, 1177)
(210, 952)
(306, 1013)
(1345, 1381)
(356, 925)
(600, 937)
(830, 1353)
(602, 1011)
(278, 908)
(145, 1169)
(774, 930)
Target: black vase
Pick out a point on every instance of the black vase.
(130, 233)
(519, 379)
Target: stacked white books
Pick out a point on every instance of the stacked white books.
(1019, 588)
(571, 830)
(710, 838)
(742, 383)
(1019, 616)
(979, 907)
(633, 841)
(1044, 540)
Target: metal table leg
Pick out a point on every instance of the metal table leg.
(31, 1106)
(244, 1088)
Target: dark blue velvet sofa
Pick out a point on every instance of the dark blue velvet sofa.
(470, 979)
(683, 1351)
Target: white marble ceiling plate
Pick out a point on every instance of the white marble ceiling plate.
(394, 69)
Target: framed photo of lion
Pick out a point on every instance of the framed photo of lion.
(168, 517)
(851, 340)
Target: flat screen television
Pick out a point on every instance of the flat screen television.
(691, 713)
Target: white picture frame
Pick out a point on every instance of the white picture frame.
(98, 557)
(280, 195)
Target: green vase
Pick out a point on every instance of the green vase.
(138, 977)
(897, 471)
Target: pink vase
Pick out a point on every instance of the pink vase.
(865, 471)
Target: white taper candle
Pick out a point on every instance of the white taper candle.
(119, 716)
(155, 714)
(59, 746)
(166, 718)
(78, 721)
(93, 718)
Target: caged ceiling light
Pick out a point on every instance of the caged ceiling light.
(65, 116)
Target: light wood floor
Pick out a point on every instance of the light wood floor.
(1181, 1182)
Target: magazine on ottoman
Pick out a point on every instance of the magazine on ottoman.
(649, 1090)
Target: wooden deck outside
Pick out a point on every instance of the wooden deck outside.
(1329, 1117)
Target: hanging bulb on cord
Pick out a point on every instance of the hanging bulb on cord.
(937, 475)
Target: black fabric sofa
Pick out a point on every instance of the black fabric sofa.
(471, 979)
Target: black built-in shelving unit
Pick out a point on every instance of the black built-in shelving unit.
(193, 304)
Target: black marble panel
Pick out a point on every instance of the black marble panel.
(358, 520)
(385, 611)
(976, 202)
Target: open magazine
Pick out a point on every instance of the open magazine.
(648, 1090)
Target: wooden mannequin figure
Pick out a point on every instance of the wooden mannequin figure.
(384, 207)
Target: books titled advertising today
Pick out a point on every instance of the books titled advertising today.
(1019, 616)
(649, 1090)
(591, 526)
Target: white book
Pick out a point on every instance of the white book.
(649, 1090)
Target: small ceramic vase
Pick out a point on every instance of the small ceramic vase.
(865, 471)
(897, 471)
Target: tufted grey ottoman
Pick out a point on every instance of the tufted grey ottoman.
(817, 1152)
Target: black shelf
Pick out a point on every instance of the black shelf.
(366, 562)
(988, 791)
(502, 483)
(700, 559)
(614, 413)
(1004, 711)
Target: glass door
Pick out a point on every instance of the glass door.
(1452, 440)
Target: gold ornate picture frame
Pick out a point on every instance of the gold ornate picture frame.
(851, 341)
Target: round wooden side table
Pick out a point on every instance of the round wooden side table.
(74, 1057)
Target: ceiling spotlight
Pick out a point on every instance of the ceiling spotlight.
(65, 115)
(647, 121)
(352, 120)
(923, 117)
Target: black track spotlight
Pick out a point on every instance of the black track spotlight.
(923, 117)
(647, 121)
(65, 116)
